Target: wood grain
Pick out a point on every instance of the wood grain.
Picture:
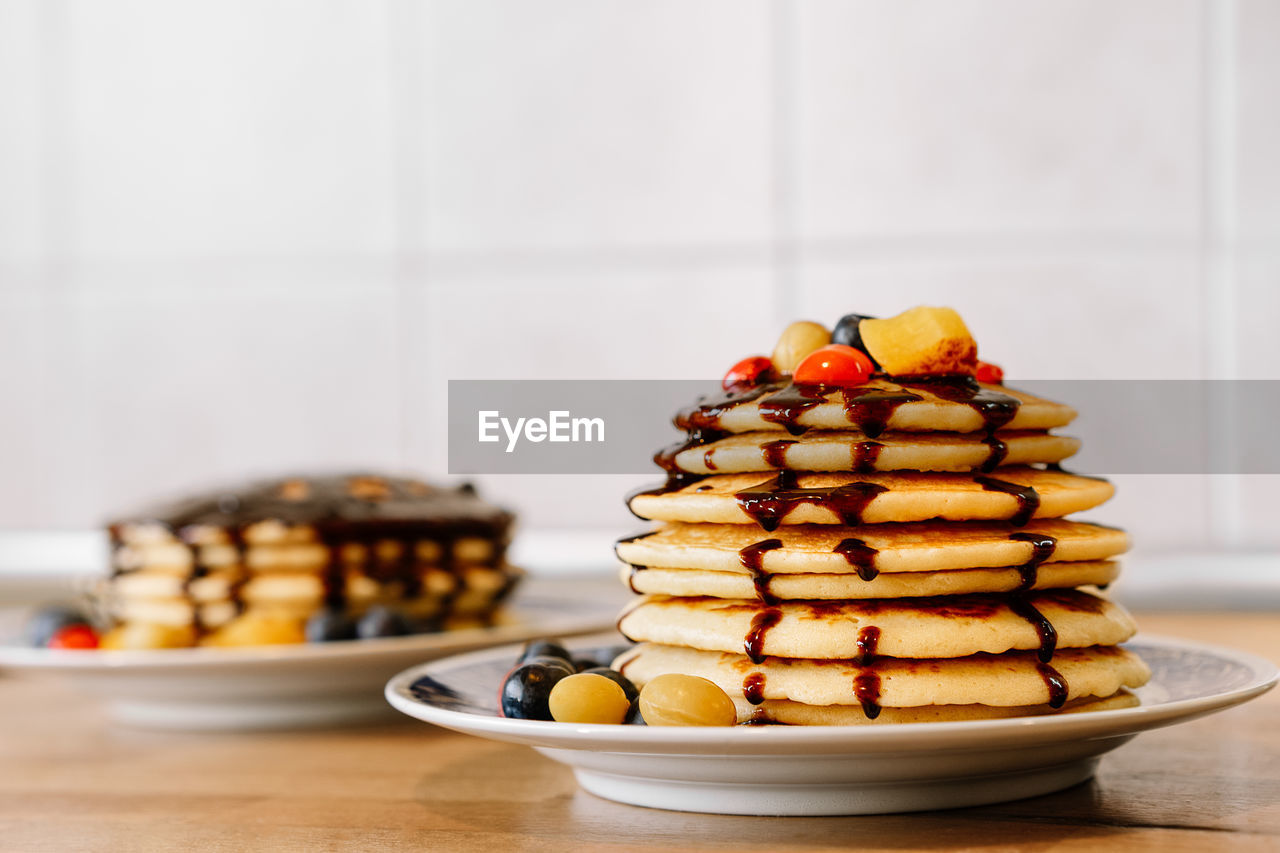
(72, 781)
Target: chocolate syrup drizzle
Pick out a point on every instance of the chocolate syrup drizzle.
(1045, 631)
(356, 509)
(866, 684)
(860, 555)
(868, 408)
(760, 625)
(769, 503)
(1027, 497)
(1042, 548)
(753, 688)
(752, 558)
(775, 452)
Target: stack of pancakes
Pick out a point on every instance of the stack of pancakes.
(276, 552)
(894, 552)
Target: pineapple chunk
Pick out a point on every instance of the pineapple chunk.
(921, 341)
(256, 628)
(147, 635)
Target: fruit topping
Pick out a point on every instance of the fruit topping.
(834, 364)
(256, 628)
(618, 678)
(329, 624)
(527, 688)
(47, 621)
(921, 341)
(544, 648)
(798, 340)
(145, 635)
(990, 373)
(74, 637)
(847, 331)
(749, 372)
(588, 698)
(675, 699)
(379, 621)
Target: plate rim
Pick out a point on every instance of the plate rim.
(782, 740)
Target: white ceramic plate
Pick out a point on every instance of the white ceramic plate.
(786, 770)
(283, 686)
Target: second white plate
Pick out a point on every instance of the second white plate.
(283, 686)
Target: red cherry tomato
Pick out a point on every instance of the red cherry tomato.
(74, 637)
(750, 371)
(834, 364)
(990, 373)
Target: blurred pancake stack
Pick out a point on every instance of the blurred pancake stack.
(303, 558)
(868, 527)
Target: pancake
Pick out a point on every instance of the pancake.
(1013, 493)
(950, 404)
(827, 450)
(289, 548)
(943, 627)
(800, 587)
(1006, 680)
(789, 713)
(890, 548)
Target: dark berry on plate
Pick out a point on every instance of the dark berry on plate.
(74, 637)
(634, 717)
(528, 687)
(426, 625)
(550, 663)
(617, 678)
(47, 621)
(330, 624)
(584, 664)
(846, 331)
(381, 621)
(548, 648)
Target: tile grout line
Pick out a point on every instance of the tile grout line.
(1218, 263)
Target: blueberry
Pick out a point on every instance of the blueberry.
(584, 664)
(330, 624)
(618, 679)
(381, 622)
(846, 332)
(47, 621)
(550, 663)
(528, 687)
(544, 648)
(634, 717)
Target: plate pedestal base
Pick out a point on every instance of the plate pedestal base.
(851, 798)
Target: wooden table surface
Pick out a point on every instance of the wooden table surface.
(72, 781)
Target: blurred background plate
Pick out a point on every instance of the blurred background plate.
(292, 685)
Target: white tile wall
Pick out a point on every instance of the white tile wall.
(23, 117)
(992, 116)
(246, 236)
(229, 128)
(1258, 121)
(203, 375)
(596, 125)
